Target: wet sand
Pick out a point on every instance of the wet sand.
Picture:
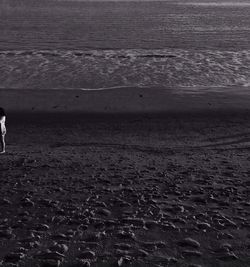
(126, 100)
(169, 189)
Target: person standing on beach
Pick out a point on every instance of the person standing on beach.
(2, 130)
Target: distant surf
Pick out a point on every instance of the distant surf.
(218, 4)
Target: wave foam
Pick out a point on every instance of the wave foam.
(105, 69)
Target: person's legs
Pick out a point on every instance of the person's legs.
(2, 142)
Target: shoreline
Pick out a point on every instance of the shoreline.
(124, 101)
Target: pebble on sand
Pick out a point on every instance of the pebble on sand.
(14, 257)
(87, 254)
(191, 253)
(189, 242)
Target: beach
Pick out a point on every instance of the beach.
(149, 188)
(128, 133)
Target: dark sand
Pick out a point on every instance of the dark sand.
(167, 189)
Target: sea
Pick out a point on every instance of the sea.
(53, 44)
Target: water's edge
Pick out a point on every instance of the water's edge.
(123, 100)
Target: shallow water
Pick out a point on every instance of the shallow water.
(74, 44)
(139, 68)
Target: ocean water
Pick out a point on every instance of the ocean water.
(51, 44)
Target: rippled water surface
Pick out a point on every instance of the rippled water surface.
(220, 3)
(75, 44)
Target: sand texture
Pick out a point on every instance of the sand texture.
(126, 191)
